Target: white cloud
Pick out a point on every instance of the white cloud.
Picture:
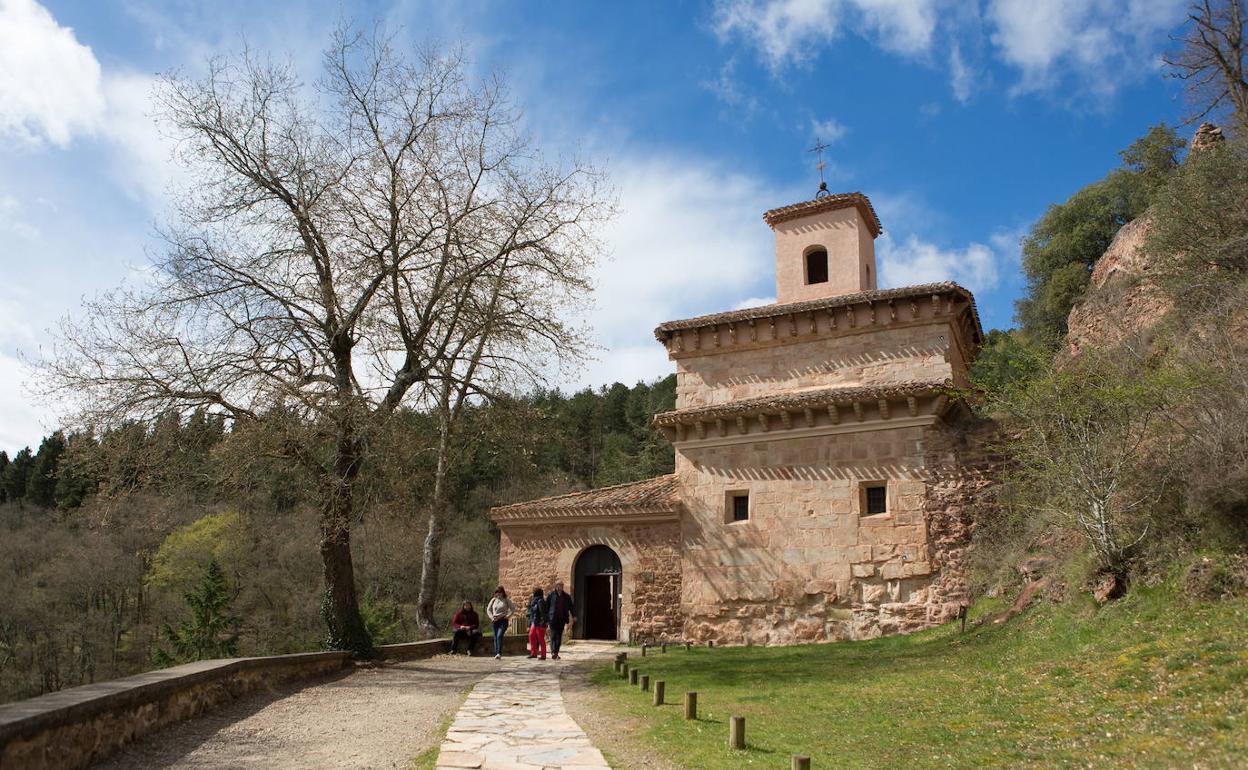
(754, 302)
(960, 75)
(13, 221)
(1098, 41)
(690, 239)
(830, 131)
(902, 26)
(916, 261)
(53, 90)
(728, 90)
(143, 161)
(22, 420)
(49, 82)
(790, 32)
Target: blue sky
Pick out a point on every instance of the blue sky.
(961, 120)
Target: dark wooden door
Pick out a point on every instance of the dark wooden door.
(599, 607)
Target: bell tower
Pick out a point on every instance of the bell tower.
(824, 247)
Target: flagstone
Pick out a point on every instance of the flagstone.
(514, 719)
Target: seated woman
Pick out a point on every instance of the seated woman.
(466, 625)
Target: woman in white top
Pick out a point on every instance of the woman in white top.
(500, 609)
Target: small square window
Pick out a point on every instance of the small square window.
(739, 506)
(875, 500)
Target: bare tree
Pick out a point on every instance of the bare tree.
(1212, 61)
(336, 253)
(1090, 447)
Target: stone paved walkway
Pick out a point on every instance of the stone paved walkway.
(515, 720)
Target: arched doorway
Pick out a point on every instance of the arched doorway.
(598, 587)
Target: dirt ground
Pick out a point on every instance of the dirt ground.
(378, 718)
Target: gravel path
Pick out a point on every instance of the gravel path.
(372, 718)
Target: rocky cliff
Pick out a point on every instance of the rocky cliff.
(1123, 300)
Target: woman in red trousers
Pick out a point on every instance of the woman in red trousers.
(537, 625)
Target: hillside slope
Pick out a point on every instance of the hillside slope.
(1154, 680)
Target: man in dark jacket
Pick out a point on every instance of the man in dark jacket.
(560, 611)
(466, 625)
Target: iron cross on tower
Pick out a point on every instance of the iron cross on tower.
(818, 149)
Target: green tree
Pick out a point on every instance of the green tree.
(1200, 237)
(76, 479)
(1007, 359)
(1064, 245)
(41, 488)
(210, 631)
(17, 475)
(4, 466)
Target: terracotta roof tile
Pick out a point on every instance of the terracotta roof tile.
(770, 311)
(800, 400)
(656, 495)
(828, 203)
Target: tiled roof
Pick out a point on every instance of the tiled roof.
(656, 495)
(771, 311)
(808, 399)
(828, 203)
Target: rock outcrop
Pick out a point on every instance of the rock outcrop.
(1124, 299)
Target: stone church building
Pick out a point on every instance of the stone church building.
(823, 471)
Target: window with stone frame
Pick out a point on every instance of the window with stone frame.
(817, 266)
(738, 507)
(874, 498)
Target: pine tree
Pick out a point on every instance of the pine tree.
(4, 466)
(41, 488)
(17, 475)
(210, 631)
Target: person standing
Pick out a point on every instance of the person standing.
(560, 611)
(537, 624)
(500, 609)
(466, 625)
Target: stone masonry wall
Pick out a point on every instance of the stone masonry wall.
(962, 465)
(649, 558)
(883, 356)
(808, 565)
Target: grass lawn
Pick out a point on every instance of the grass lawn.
(1149, 681)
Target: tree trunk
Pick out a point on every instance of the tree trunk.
(431, 555)
(340, 607)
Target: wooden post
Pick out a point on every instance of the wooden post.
(643, 650)
(659, 687)
(691, 705)
(645, 683)
(736, 733)
(622, 656)
(618, 663)
(801, 763)
(624, 671)
(632, 676)
(663, 648)
(710, 643)
(688, 646)
(962, 616)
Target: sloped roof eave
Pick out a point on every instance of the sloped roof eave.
(806, 399)
(655, 496)
(665, 329)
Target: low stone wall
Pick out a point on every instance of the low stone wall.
(513, 643)
(72, 728)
